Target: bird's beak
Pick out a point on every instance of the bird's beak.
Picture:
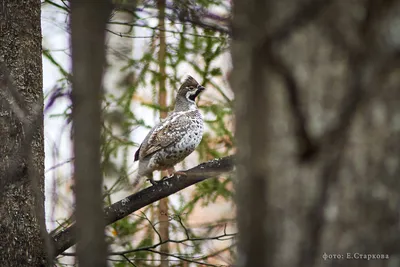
(200, 88)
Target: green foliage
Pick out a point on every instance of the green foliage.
(189, 47)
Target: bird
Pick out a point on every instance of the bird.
(174, 138)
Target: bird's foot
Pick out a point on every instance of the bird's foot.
(171, 172)
(180, 173)
(176, 173)
(154, 182)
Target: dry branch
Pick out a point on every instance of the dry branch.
(66, 238)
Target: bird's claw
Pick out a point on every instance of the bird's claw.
(154, 182)
(182, 173)
(175, 174)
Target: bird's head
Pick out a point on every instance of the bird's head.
(187, 94)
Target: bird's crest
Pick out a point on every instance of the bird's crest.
(189, 81)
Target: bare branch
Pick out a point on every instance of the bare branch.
(179, 219)
(152, 226)
(215, 253)
(214, 27)
(195, 15)
(59, 165)
(128, 260)
(66, 238)
(197, 259)
(222, 237)
(183, 258)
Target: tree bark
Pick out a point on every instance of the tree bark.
(21, 135)
(88, 25)
(325, 172)
(211, 169)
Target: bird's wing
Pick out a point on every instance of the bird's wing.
(169, 131)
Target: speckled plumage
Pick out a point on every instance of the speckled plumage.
(174, 138)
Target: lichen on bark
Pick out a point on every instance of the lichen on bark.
(20, 55)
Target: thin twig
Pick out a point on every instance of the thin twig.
(152, 226)
(128, 260)
(184, 259)
(222, 237)
(59, 165)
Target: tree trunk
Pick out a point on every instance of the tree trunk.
(88, 26)
(163, 216)
(21, 135)
(320, 186)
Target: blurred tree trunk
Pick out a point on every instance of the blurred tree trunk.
(21, 135)
(163, 217)
(318, 128)
(88, 60)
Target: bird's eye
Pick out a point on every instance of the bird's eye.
(191, 88)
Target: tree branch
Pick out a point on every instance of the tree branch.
(66, 238)
(222, 237)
